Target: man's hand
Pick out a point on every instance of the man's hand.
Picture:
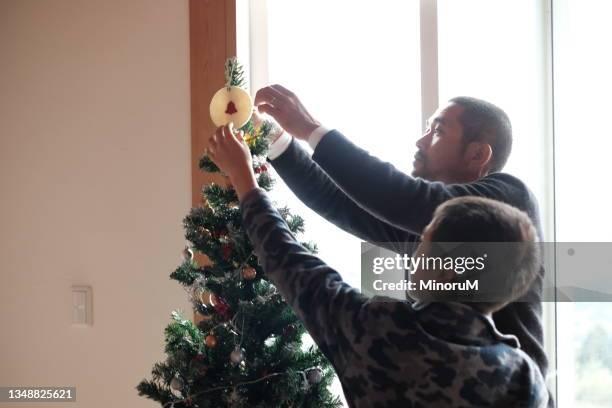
(230, 153)
(285, 107)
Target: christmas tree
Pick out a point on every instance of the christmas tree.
(246, 349)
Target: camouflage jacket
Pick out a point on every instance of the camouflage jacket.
(386, 352)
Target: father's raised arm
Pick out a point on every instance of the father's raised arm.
(394, 196)
(315, 189)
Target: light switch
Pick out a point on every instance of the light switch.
(81, 305)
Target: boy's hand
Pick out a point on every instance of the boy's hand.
(230, 153)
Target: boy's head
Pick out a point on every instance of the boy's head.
(486, 240)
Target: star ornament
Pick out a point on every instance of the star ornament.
(231, 104)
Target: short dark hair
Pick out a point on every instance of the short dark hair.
(512, 267)
(483, 121)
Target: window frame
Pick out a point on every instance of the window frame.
(252, 40)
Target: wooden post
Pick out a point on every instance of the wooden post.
(212, 37)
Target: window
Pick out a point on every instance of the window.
(582, 88)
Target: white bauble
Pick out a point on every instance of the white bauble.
(237, 356)
(231, 105)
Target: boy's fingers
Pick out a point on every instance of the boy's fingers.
(239, 136)
(228, 131)
(219, 133)
(212, 142)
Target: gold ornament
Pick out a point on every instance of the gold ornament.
(211, 341)
(249, 273)
(204, 233)
(208, 298)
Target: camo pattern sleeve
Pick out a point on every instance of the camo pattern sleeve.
(389, 353)
(328, 307)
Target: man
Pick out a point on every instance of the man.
(465, 146)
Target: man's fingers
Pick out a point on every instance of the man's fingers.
(282, 90)
(267, 95)
(269, 109)
(256, 117)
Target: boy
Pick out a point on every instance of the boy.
(390, 353)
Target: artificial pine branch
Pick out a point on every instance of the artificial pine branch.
(234, 73)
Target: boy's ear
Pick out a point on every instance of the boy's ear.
(479, 155)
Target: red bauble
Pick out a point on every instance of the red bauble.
(219, 233)
(261, 169)
(249, 273)
(223, 308)
(226, 251)
(211, 341)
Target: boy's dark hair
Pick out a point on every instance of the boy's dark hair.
(482, 121)
(505, 233)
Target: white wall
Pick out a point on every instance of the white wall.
(94, 180)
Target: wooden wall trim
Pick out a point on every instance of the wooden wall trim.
(212, 36)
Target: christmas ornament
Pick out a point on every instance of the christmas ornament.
(261, 169)
(204, 233)
(222, 308)
(226, 251)
(211, 341)
(249, 273)
(289, 331)
(314, 375)
(198, 362)
(176, 383)
(231, 104)
(237, 355)
(207, 298)
(202, 370)
(187, 254)
(222, 233)
(233, 397)
(198, 358)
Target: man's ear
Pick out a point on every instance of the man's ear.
(479, 155)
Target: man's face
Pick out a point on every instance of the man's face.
(440, 149)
